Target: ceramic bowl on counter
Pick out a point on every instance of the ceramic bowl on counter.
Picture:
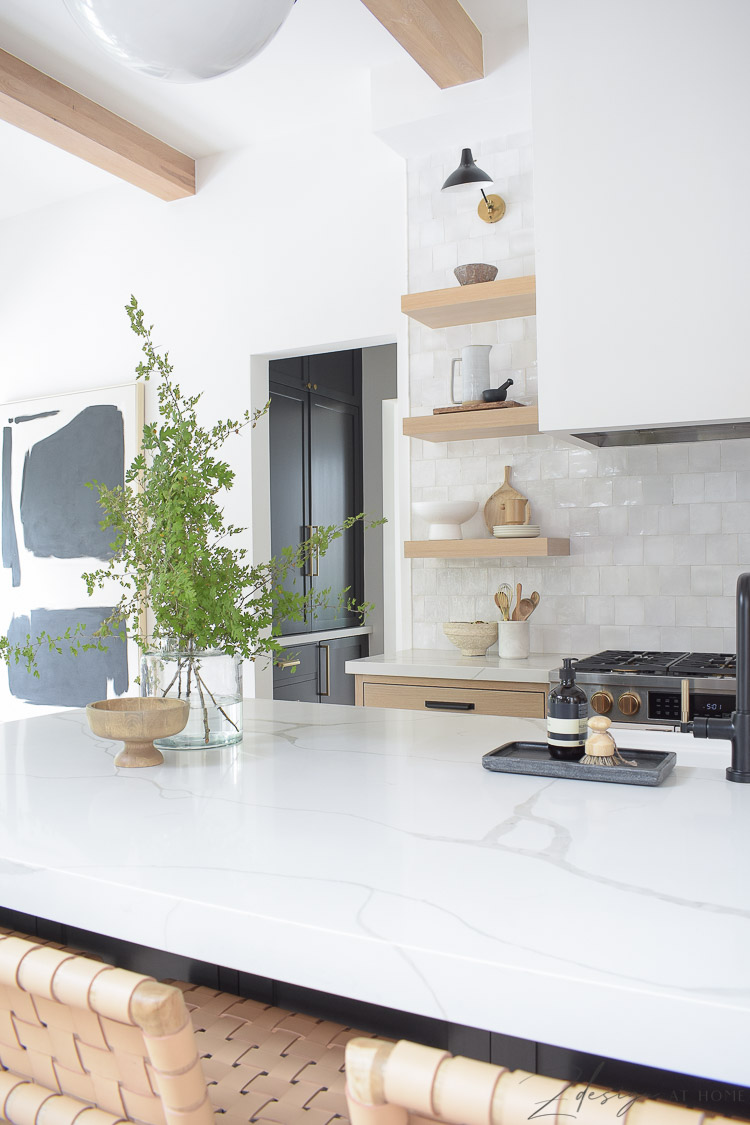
(472, 638)
(445, 516)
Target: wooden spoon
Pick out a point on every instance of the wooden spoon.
(528, 605)
(516, 615)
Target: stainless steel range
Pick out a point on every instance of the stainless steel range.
(645, 688)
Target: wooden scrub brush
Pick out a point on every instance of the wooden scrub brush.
(601, 748)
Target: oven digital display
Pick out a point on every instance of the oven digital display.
(667, 705)
(703, 706)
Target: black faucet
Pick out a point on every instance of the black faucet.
(737, 727)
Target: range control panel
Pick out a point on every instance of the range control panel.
(666, 706)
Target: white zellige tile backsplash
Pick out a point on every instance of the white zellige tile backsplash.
(658, 534)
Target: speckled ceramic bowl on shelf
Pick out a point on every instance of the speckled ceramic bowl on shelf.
(472, 638)
(475, 273)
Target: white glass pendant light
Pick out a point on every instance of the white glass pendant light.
(181, 40)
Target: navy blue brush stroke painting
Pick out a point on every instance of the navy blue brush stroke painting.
(9, 541)
(65, 680)
(59, 515)
(33, 417)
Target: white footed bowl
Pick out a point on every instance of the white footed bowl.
(473, 638)
(445, 516)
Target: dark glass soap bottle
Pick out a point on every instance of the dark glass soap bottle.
(567, 715)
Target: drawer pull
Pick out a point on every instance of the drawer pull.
(289, 664)
(328, 669)
(442, 705)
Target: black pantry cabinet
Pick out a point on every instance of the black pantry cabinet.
(315, 431)
(314, 673)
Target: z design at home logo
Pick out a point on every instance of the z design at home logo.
(570, 1100)
(594, 1104)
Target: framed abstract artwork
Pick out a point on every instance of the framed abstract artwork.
(50, 534)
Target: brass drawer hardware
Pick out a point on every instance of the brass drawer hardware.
(314, 554)
(328, 670)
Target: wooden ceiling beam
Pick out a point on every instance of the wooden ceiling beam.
(438, 34)
(40, 105)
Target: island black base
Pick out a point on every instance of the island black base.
(488, 1046)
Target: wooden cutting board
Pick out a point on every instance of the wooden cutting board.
(494, 513)
(479, 405)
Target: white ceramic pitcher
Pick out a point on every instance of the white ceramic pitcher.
(475, 372)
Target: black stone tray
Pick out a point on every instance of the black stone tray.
(535, 758)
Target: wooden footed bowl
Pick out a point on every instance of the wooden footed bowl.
(137, 722)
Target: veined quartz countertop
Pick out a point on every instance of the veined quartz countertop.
(450, 665)
(366, 852)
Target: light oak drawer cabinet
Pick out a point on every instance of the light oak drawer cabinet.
(519, 700)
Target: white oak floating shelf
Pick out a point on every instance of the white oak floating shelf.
(473, 304)
(485, 548)
(466, 425)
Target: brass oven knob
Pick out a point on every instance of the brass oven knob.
(602, 702)
(629, 703)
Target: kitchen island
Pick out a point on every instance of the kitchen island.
(366, 853)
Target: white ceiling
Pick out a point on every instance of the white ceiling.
(323, 53)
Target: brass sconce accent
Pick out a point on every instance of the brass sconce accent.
(469, 176)
(492, 208)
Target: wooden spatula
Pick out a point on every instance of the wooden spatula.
(516, 615)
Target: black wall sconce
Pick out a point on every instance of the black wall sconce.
(468, 175)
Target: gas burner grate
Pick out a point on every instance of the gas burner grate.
(629, 661)
(697, 664)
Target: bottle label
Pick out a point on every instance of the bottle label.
(570, 730)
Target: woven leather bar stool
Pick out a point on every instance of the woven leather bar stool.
(408, 1084)
(83, 1042)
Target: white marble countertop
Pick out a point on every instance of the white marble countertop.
(365, 852)
(450, 665)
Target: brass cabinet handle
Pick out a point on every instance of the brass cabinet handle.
(328, 670)
(313, 571)
(314, 560)
(289, 664)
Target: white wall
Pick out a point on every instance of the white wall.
(379, 383)
(640, 115)
(415, 117)
(269, 256)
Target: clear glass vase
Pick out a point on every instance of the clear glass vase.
(211, 682)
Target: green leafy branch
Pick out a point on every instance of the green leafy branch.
(26, 652)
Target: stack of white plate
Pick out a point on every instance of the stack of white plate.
(516, 531)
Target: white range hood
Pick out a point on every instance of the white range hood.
(643, 229)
